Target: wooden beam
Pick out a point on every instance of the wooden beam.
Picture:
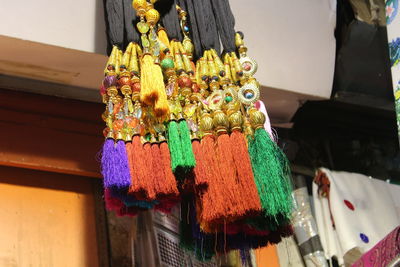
(50, 134)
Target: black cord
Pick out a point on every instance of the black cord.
(169, 18)
(130, 21)
(114, 16)
(225, 24)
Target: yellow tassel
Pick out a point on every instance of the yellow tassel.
(163, 37)
(152, 86)
(148, 94)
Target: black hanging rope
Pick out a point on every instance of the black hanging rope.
(169, 18)
(130, 19)
(114, 15)
(201, 11)
(225, 24)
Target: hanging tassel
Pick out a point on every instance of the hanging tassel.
(174, 145)
(140, 187)
(201, 174)
(151, 182)
(114, 165)
(163, 37)
(241, 159)
(152, 83)
(157, 169)
(188, 160)
(271, 170)
(212, 205)
(227, 168)
(170, 181)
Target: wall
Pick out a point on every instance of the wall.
(72, 24)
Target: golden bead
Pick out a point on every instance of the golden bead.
(236, 121)
(238, 40)
(257, 118)
(139, 4)
(220, 121)
(152, 16)
(206, 123)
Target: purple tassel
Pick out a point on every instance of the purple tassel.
(114, 165)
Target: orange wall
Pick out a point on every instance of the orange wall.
(46, 219)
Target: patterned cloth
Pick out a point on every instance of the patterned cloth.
(383, 253)
(353, 212)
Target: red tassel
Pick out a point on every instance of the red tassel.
(170, 181)
(157, 170)
(246, 184)
(201, 176)
(229, 189)
(148, 166)
(139, 170)
(212, 204)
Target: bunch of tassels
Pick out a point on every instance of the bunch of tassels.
(189, 132)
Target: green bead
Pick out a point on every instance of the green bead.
(143, 27)
(228, 98)
(145, 41)
(167, 63)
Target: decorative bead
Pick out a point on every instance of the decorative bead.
(195, 88)
(106, 131)
(152, 16)
(186, 28)
(109, 80)
(117, 108)
(138, 4)
(228, 98)
(184, 81)
(132, 122)
(118, 124)
(136, 87)
(167, 63)
(124, 81)
(248, 95)
(215, 78)
(143, 27)
(103, 90)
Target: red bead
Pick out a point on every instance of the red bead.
(117, 108)
(118, 124)
(124, 81)
(132, 122)
(103, 90)
(106, 131)
(195, 88)
(185, 82)
(136, 87)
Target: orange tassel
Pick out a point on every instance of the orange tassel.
(201, 175)
(149, 177)
(212, 201)
(170, 181)
(157, 170)
(141, 171)
(241, 159)
(135, 152)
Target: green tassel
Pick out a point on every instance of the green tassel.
(272, 176)
(174, 145)
(189, 161)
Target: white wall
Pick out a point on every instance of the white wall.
(77, 24)
(292, 40)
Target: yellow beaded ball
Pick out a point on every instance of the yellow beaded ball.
(139, 4)
(152, 16)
